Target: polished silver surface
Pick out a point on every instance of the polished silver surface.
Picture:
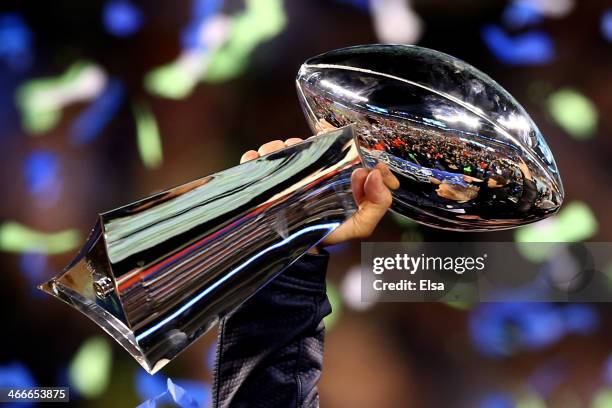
(158, 273)
(467, 155)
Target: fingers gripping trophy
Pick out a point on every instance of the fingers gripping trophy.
(395, 126)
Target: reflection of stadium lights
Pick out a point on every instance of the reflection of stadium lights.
(461, 117)
(519, 123)
(342, 91)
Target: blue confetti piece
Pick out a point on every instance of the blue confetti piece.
(16, 375)
(606, 25)
(175, 395)
(42, 176)
(581, 319)
(488, 329)
(198, 390)
(149, 386)
(201, 11)
(158, 389)
(503, 329)
(90, 123)
(34, 266)
(520, 14)
(531, 48)
(540, 327)
(121, 18)
(15, 42)
(497, 400)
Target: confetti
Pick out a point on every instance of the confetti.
(98, 114)
(90, 369)
(149, 139)
(16, 375)
(573, 112)
(15, 42)
(41, 100)
(179, 78)
(261, 21)
(182, 393)
(202, 11)
(149, 386)
(15, 237)
(121, 18)
(551, 8)
(580, 319)
(520, 14)
(575, 222)
(534, 47)
(207, 31)
(603, 398)
(503, 329)
(42, 176)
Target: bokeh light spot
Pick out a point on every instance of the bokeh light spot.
(575, 222)
(90, 369)
(149, 139)
(573, 112)
(121, 18)
(15, 237)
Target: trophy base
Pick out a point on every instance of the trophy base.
(159, 273)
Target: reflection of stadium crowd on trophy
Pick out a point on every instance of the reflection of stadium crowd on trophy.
(461, 172)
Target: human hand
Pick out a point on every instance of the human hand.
(371, 190)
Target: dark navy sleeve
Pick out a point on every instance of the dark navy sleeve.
(270, 349)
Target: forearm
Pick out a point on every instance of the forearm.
(271, 348)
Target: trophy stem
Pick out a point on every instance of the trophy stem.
(158, 273)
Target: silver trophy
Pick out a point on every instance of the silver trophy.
(158, 273)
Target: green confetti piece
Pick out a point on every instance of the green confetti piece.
(574, 113)
(603, 399)
(18, 238)
(575, 222)
(261, 21)
(37, 102)
(336, 303)
(148, 137)
(170, 81)
(89, 372)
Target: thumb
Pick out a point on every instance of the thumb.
(377, 199)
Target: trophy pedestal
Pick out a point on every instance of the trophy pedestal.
(159, 273)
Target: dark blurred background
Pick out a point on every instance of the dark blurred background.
(105, 102)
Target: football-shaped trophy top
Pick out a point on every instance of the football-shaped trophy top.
(467, 154)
